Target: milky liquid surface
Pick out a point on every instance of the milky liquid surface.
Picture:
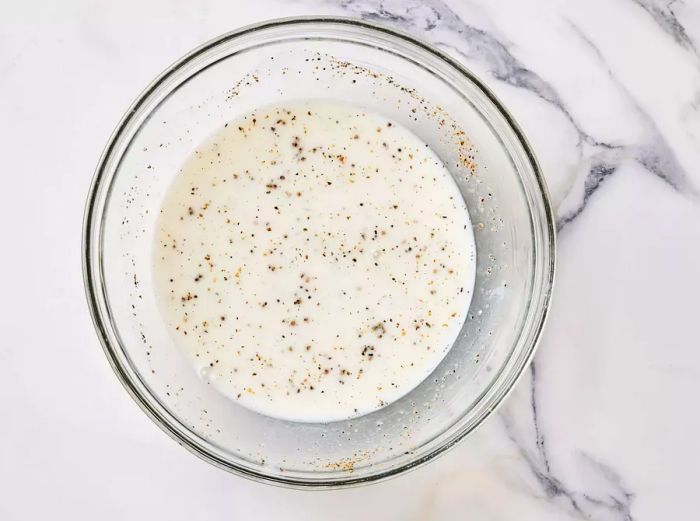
(315, 261)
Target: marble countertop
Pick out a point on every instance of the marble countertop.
(605, 425)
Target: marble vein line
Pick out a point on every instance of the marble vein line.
(654, 154)
(597, 174)
(434, 18)
(665, 17)
(613, 504)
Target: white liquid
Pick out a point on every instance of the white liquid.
(315, 261)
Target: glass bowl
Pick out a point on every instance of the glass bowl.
(394, 75)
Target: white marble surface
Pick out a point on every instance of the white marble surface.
(606, 425)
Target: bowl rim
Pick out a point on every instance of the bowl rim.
(93, 282)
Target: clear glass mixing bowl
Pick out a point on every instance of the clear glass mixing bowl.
(389, 73)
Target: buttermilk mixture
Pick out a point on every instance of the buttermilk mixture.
(314, 260)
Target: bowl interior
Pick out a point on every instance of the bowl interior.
(391, 75)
